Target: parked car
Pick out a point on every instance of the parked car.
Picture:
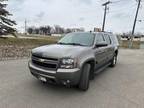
(74, 59)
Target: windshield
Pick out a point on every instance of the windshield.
(84, 39)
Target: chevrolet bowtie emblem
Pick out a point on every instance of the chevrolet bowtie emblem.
(41, 60)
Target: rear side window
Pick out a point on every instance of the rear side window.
(114, 40)
(99, 38)
(107, 39)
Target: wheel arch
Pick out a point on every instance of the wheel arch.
(92, 63)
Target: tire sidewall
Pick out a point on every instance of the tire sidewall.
(114, 60)
(84, 80)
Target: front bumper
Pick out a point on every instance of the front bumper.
(61, 76)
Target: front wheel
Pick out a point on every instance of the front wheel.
(84, 81)
(114, 61)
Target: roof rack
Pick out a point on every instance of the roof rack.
(102, 32)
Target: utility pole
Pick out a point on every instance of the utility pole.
(105, 12)
(135, 20)
(25, 27)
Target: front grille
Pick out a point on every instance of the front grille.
(46, 63)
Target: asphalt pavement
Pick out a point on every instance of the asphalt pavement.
(119, 87)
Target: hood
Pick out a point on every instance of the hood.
(59, 51)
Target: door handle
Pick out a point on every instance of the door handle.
(101, 51)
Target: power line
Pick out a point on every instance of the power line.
(116, 1)
(122, 9)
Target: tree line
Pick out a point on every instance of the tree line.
(48, 30)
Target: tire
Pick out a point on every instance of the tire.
(114, 61)
(43, 82)
(92, 76)
(84, 81)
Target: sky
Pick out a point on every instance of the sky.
(77, 13)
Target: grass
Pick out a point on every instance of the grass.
(14, 48)
(25, 42)
(135, 45)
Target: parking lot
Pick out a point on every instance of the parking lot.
(119, 87)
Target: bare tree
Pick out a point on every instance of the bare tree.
(59, 30)
(30, 30)
(48, 30)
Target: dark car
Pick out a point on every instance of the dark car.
(75, 59)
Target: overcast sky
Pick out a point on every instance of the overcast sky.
(77, 13)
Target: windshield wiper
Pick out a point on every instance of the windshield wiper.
(75, 44)
(62, 43)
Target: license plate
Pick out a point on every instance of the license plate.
(42, 79)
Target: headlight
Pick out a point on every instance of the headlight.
(68, 63)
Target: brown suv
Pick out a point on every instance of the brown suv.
(75, 59)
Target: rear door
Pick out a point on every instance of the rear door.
(109, 48)
(100, 53)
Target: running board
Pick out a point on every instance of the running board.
(102, 68)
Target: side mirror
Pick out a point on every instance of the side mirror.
(101, 44)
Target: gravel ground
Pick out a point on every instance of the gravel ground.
(18, 48)
(14, 52)
(119, 87)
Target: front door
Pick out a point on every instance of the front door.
(100, 52)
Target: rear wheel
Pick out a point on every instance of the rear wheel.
(114, 61)
(84, 81)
